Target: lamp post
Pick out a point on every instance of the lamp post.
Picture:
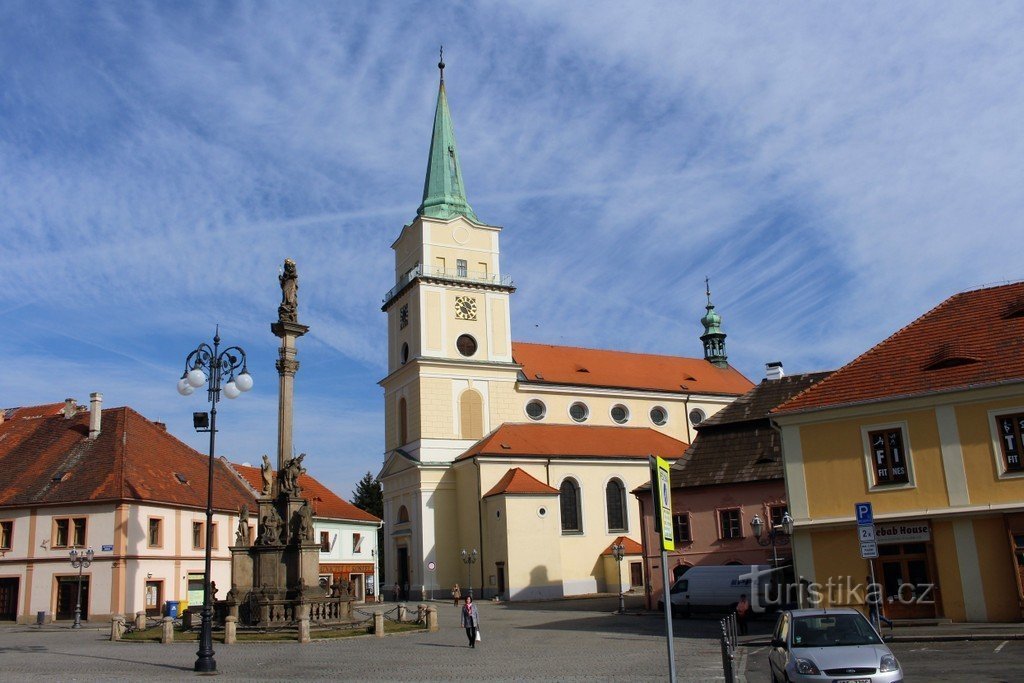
(469, 558)
(778, 534)
(618, 552)
(80, 560)
(210, 366)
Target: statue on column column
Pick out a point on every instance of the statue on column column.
(267, 472)
(288, 311)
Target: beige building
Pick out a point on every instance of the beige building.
(520, 452)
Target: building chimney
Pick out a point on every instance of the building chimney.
(95, 409)
(70, 408)
(773, 370)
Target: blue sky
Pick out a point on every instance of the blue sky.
(836, 169)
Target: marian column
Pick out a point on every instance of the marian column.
(288, 329)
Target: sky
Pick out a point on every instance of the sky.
(836, 169)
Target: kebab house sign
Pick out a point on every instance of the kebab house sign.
(903, 532)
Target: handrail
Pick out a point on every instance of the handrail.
(456, 275)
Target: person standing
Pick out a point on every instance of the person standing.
(873, 597)
(456, 594)
(398, 592)
(742, 614)
(470, 620)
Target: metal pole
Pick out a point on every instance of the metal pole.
(872, 595)
(668, 615)
(78, 602)
(204, 656)
(622, 595)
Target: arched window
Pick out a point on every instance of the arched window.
(569, 502)
(615, 501)
(403, 422)
(471, 414)
(403, 515)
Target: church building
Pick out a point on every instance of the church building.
(507, 464)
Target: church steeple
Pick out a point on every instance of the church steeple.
(444, 195)
(713, 337)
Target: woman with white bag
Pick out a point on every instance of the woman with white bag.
(471, 621)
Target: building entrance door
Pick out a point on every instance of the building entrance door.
(908, 588)
(67, 597)
(402, 572)
(636, 574)
(500, 568)
(9, 599)
(154, 597)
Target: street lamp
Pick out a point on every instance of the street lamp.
(80, 560)
(209, 366)
(469, 559)
(778, 534)
(618, 552)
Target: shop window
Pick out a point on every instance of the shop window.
(1011, 428)
(888, 457)
(681, 527)
(569, 505)
(729, 525)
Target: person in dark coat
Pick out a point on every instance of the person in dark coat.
(470, 620)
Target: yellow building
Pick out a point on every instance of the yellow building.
(926, 426)
(575, 424)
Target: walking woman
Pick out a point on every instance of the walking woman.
(456, 594)
(470, 620)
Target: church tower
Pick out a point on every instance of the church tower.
(451, 378)
(713, 337)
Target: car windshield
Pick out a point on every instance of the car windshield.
(832, 630)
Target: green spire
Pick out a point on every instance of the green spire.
(444, 195)
(713, 337)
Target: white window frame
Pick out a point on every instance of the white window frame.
(869, 461)
(997, 446)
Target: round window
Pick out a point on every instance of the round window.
(466, 345)
(405, 354)
(697, 416)
(658, 415)
(536, 409)
(620, 414)
(579, 412)
(542, 512)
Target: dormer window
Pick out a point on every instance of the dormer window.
(951, 356)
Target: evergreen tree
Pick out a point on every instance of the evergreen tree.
(369, 496)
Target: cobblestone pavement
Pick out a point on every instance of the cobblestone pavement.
(565, 640)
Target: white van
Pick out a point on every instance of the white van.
(718, 589)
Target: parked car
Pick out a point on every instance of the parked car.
(718, 589)
(837, 645)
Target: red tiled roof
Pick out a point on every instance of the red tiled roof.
(326, 504)
(971, 339)
(543, 363)
(518, 481)
(630, 546)
(131, 459)
(575, 441)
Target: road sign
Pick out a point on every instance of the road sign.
(866, 533)
(868, 549)
(864, 514)
(663, 500)
(107, 548)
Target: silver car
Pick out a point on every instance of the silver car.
(835, 645)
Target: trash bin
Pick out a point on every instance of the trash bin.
(171, 609)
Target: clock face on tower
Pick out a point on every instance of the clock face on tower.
(465, 308)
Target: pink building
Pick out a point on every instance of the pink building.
(731, 473)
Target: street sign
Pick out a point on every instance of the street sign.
(663, 500)
(107, 548)
(866, 532)
(864, 514)
(868, 550)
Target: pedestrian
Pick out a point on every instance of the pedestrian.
(471, 620)
(456, 594)
(742, 614)
(398, 592)
(873, 597)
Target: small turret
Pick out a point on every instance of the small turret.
(713, 337)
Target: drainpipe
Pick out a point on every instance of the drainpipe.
(480, 521)
(686, 418)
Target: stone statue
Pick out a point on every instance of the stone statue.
(271, 528)
(267, 470)
(242, 535)
(213, 591)
(232, 595)
(293, 469)
(288, 311)
(306, 523)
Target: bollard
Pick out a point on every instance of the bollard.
(230, 630)
(116, 627)
(421, 614)
(378, 624)
(168, 633)
(401, 612)
(431, 618)
(304, 630)
(140, 621)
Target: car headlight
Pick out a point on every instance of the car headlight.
(889, 663)
(806, 667)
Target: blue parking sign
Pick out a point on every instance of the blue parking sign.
(864, 514)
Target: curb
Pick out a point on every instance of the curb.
(923, 638)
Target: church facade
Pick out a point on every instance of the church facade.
(508, 465)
